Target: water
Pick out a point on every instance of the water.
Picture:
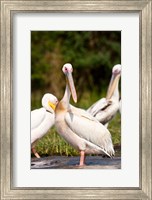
(65, 162)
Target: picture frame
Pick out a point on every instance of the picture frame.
(8, 9)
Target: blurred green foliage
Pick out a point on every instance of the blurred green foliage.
(92, 54)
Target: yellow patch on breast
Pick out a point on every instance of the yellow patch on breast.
(60, 107)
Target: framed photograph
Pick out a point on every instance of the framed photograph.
(122, 27)
(90, 53)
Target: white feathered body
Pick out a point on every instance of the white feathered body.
(82, 131)
(104, 110)
(41, 122)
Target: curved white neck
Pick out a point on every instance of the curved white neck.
(67, 95)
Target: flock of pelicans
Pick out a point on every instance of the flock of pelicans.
(85, 130)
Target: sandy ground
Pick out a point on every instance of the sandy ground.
(64, 162)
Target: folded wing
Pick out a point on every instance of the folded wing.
(88, 128)
(37, 117)
(99, 105)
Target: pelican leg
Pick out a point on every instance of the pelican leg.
(35, 153)
(82, 158)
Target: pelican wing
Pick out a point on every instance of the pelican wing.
(82, 113)
(37, 116)
(41, 125)
(108, 113)
(90, 129)
(99, 105)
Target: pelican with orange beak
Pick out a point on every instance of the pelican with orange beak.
(79, 128)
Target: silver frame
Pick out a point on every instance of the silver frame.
(143, 7)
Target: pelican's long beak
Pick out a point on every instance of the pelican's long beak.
(72, 86)
(112, 85)
(53, 106)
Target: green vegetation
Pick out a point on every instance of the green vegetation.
(92, 54)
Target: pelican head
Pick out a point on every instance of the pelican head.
(67, 70)
(116, 69)
(49, 102)
(116, 72)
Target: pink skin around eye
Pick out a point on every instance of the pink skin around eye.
(68, 69)
(116, 71)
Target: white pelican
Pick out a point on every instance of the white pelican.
(106, 108)
(78, 127)
(42, 119)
